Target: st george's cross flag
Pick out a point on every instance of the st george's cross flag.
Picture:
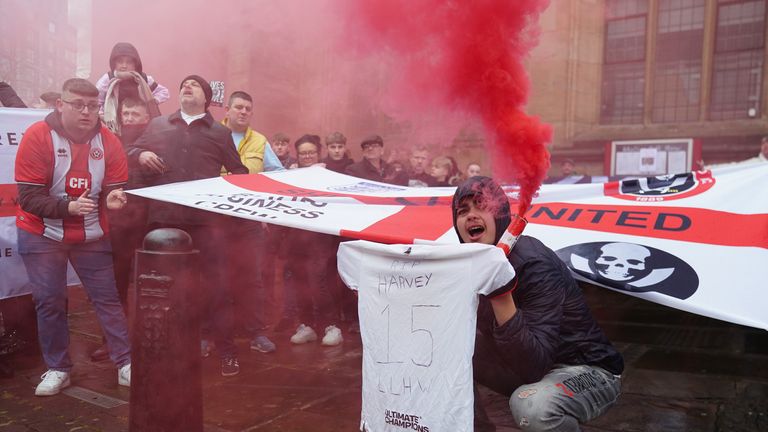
(693, 241)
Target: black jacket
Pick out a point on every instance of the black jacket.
(553, 324)
(36, 199)
(190, 152)
(386, 174)
(287, 160)
(421, 180)
(9, 98)
(339, 166)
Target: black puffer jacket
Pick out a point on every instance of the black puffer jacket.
(553, 324)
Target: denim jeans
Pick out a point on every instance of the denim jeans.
(566, 396)
(46, 264)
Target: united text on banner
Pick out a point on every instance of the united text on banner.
(660, 238)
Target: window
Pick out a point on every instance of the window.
(672, 90)
(624, 65)
(737, 74)
(677, 71)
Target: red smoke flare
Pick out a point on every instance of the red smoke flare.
(466, 56)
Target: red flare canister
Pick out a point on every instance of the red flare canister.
(511, 234)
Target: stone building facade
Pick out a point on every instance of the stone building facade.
(612, 70)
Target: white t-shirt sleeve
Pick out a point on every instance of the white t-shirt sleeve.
(349, 260)
(492, 270)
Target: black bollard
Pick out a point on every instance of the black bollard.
(166, 387)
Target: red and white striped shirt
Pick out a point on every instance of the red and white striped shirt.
(46, 158)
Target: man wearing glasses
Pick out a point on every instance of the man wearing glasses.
(70, 170)
(373, 167)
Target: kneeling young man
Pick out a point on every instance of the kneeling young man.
(537, 343)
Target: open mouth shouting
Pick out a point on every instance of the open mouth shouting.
(475, 231)
(475, 224)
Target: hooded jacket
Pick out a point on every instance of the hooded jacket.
(128, 88)
(49, 161)
(128, 50)
(553, 324)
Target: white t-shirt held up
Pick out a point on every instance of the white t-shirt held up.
(418, 309)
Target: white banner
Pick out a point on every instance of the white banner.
(13, 123)
(696, 241)
(13, 276)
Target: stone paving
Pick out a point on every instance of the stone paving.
(684, 373)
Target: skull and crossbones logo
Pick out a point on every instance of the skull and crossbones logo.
(626, 263)
(621, 261)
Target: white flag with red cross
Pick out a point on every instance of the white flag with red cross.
(694, 241)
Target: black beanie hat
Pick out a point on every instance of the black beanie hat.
(491, 191)
(204, 84)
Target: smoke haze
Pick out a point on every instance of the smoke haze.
(465, 58)
(417, 72)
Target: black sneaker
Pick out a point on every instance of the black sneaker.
(230, 366)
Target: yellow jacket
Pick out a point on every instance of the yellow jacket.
(251, 150)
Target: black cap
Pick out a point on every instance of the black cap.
(372, 139)
(204, 84)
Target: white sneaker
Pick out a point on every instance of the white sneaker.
(332, 336)
(304, 334)
(52, 383)
(124, 375)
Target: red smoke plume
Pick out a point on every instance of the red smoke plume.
(466, 56)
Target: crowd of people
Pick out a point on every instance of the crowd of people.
(120, 115)
(72, 170)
